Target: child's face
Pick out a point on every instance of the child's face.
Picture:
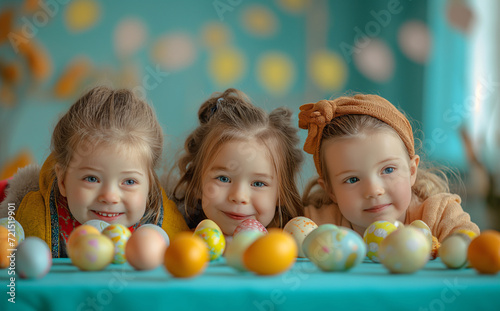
(110, 184)
(238, 184)
(371, 177)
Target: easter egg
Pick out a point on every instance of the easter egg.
(470, 233)
(145, 249)
(119, 235)
(299, 228)
(236, 248)
(405, 250)
(97, 223)
(484, 252)
(453, 250)
(249, 224)
(187, 255)
(271, 254)
(8, 243)
(159, 230)
(91, 252)
(207, 223)
(337, 250)
(33, 258)
(422, 226)
(14, 227)
(78, 231)
(214, 239)
(311, 236)
(374, 235)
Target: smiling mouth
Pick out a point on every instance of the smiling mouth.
(236, 216)
(110, 215)
(377, 208)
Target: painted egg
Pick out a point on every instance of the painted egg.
(97, 223)
(91, 252)
(14, 227)
(78, 231)
(374, 235)
(250, 224)
(405, 250)
(7, 244)
(484, 252)
(299, 228)
(453, 250)
(311, 236)
(470, 233)
(214, 239)
(272, 253)
(145, 249)
(422, 226)
(187, 255)
(119, 235)
(337, 250)
(236, 248)
(160, 231)
(207, 223)
(33, 258)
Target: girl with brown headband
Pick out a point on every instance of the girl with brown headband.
(239, 163)
(364, 153)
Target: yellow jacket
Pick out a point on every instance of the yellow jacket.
(38, 216)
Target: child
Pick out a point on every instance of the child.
(364, 154)
(104, 153)
(239, 163)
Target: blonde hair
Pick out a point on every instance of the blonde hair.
(230, 116)
(112, 117)
(429, 180)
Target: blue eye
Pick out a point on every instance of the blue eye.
(258, 184)
(223, 179)
(389, 170)
(91, 179)
(130, 182)
(352, 180)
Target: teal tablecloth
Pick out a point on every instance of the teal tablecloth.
(304, 287)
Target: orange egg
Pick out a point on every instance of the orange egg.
(7, 242)
(484, 252)
(271, 254)
(186, 256)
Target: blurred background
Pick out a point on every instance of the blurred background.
(436, 60)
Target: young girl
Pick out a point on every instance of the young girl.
(239, 163)
(104, 153)
(364, 154)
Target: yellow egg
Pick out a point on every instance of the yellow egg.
(78, 231)
(374, 235)
(214, 239)
(299, 228)
(119, 235)
(186, 256)
(271, 254)
(207, 223)
(470, 233)
(91, 252)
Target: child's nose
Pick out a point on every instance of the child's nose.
(374, 189)
(109, 195)
(238, 194)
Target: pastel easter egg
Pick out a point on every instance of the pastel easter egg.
(453, 250)
(405, 250)
(214, 239)
(119, 235)
(299, 228)
(422, 226)
(159, 230)
(374, 235)
(145, 249)
(14, 227)
(8, 243)
(337, 250)
(207, 223)
(236, 248)
(97, 223)
(33, 258)
(92, 252)
(78, 231)
(311, 236)
(248, 225)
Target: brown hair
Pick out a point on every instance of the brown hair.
(429, 181)
(230, 116)
(111, 117)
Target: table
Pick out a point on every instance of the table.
(368, 286)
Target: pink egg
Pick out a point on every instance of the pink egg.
(145, 249)
(248, 225)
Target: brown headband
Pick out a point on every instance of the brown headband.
(314, 118)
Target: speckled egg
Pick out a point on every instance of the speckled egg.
(207, 223)
(33, 258)
(91, 252)
(250, 224)
(405, 250)
(236, 248)
(299, 228)
(453, 250)
(119, 235)
(214, 239)
(97, 223)
(337, 250)
(374, 235)
(14, 227)
(77, 232)
(311, 236)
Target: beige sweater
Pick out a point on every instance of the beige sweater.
(441, 212)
